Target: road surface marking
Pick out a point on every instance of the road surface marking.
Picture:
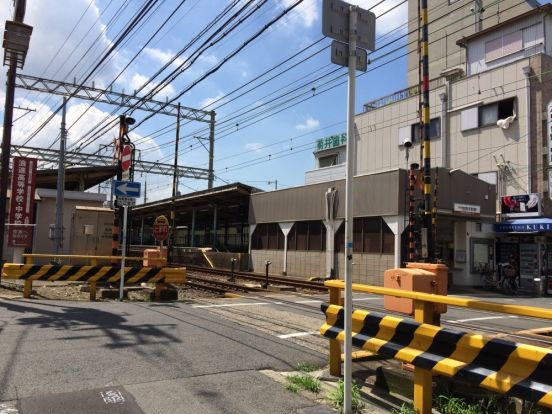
(8, 408)
(309, 301)
(296, 334)
(227, 305)
(483, 318)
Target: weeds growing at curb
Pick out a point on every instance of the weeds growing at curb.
(306, 367)
(406, 408)
(303, 382)
(336, 397)
(447, 404)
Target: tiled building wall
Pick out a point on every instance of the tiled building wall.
(367, 268)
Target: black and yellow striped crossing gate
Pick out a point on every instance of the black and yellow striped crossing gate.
(92, 275)
(518, 370)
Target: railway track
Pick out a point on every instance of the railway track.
(218, 286)
(275, 280)
(525, 336)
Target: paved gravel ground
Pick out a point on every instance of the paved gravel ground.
(74, 291)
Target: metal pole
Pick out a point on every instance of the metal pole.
(527, 72)
(60, 194)
(232, 276)
(19, 15)
(145, 191)
(428, 231)
(215, 211)
(348, 343)
(411, 222)
(142, 231)
(172, 238)
(123, 253)
(192, 241)
(267, 265)
(211, 149)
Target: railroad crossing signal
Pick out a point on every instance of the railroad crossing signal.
(126, 161)
(161, 228)
(126, 158)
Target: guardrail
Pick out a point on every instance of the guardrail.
(515, 369)
(29, 258)
(93, 275)
(402, 94)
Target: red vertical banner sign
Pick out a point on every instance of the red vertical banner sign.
(20, 230)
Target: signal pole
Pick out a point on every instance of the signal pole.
(15, 53)
(60, 195)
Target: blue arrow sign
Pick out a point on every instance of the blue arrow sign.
(127, 188)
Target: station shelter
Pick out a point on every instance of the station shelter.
(215, 218)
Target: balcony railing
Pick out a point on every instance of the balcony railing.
(403, 94)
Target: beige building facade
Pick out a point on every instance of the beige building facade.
(491, 118)
(45, 217)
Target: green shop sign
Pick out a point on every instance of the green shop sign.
(331, 142)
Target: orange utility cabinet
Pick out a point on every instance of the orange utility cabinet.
(416, 277)
(150, 254)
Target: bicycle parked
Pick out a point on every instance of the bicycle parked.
(509, 279)
(505, 280)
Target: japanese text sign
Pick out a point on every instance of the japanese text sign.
(20, 233)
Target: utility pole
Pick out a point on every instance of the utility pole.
(15, 52)
(275, 182)
(172, 237)
(211, 149)
(61, 182)
(145, 191)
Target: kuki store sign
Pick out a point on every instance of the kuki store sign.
(21, 218)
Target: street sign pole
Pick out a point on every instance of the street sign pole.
(123, 253)
(350, 26)
(348, 342)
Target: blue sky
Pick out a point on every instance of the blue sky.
(265, 135)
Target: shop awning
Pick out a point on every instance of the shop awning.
(535, 225)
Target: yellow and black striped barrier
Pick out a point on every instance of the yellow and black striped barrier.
(92, 275)
(518, 370)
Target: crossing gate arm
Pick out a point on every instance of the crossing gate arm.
(92, 275)
(473, 303)
(506, 367)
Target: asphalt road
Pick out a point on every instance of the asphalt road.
(196, 357)
(82, 357)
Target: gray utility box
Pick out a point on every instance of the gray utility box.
(91, 233)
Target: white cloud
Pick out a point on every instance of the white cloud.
(208, 101)
(163, 56)
(255, 147)
(79, 127)
(208, 59)
(310, 123)
(390, 20)
(138, 80)
(304, 14)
